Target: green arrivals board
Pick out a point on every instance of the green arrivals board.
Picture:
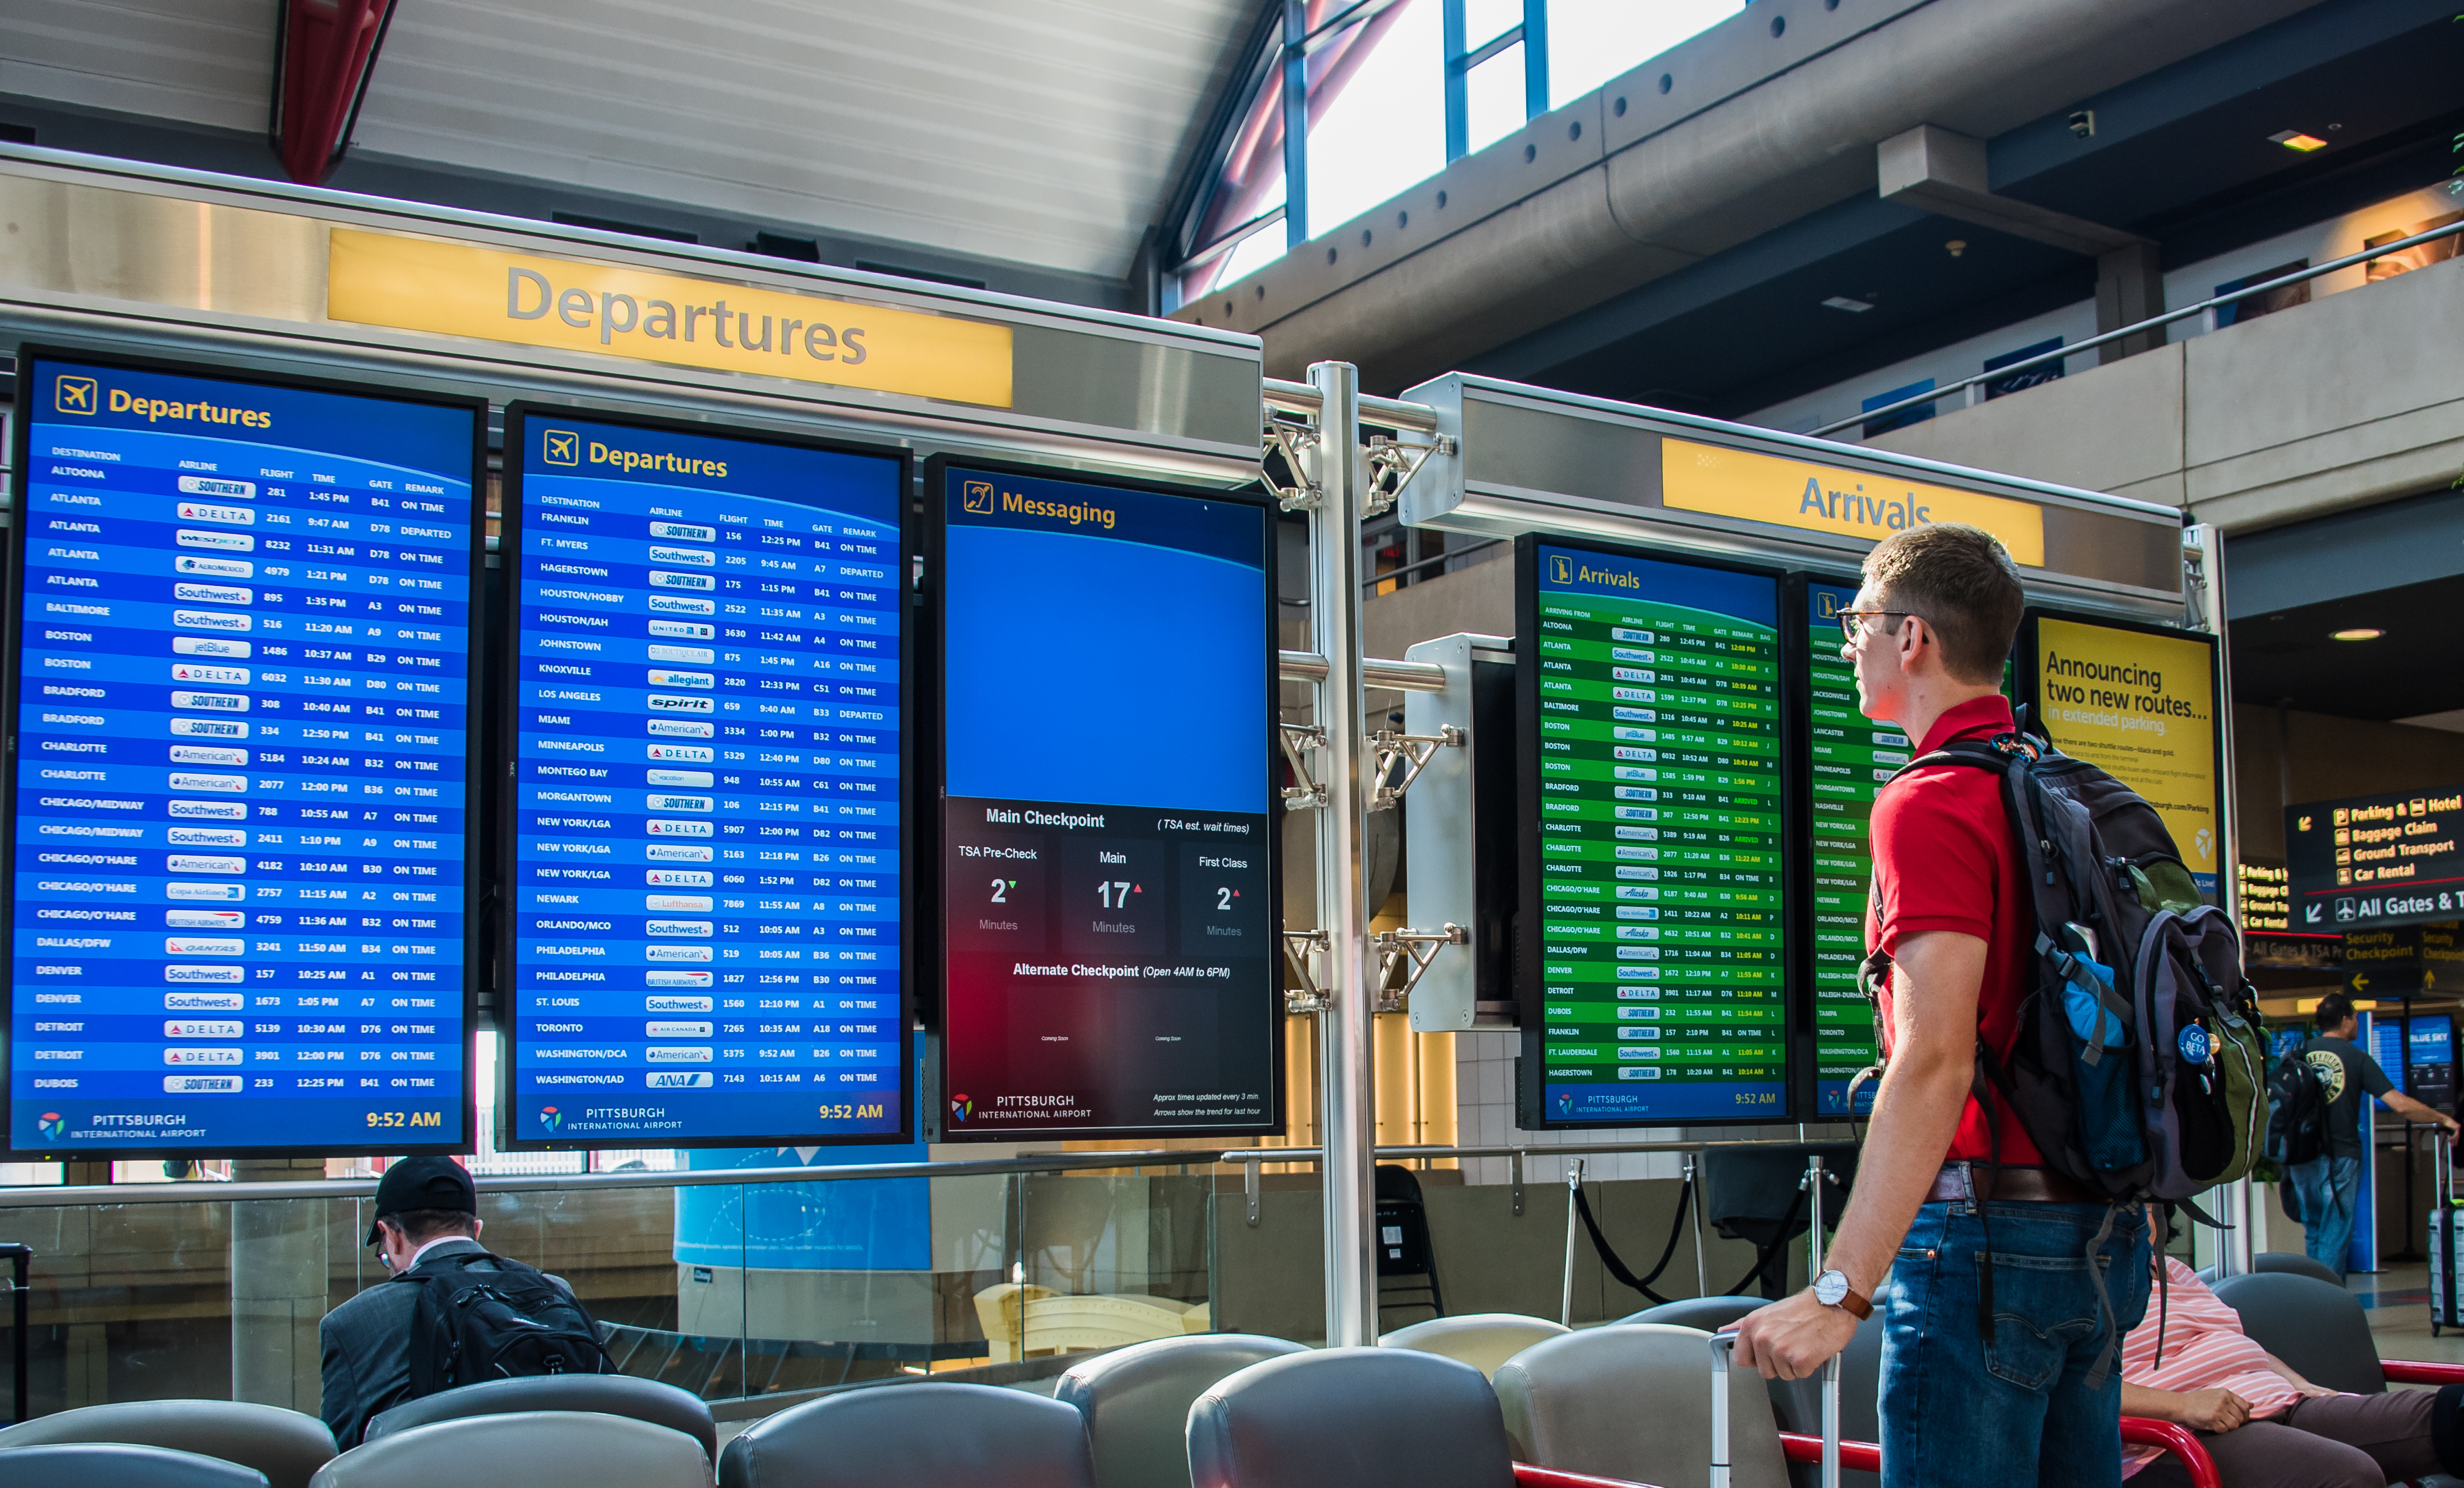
(1851, 757)
(1655, 987)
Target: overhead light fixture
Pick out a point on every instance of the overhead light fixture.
(2296, 139)
(1854, 306)
(2359, 633)
(1956, 246)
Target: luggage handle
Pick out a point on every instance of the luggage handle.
(1722, 1360)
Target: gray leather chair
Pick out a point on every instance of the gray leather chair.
(1351, 1418)
(2296, 1262)
(1798, 1403)
(608, 1395)
(1711, 1313)
(286, 1446)
(922, 1435)
(2318, 1328)
(1137, 1401)
(535, 1448)
(1635, 1403)
(119, 1465)
(1482, 1340)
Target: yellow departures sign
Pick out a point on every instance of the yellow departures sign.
(1801, 494)
(460, 288)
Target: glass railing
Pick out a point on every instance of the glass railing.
(755, 1288)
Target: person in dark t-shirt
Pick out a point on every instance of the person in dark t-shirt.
(2329, 1186)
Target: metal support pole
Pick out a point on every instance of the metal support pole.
(21, 1274)
(1701, 1273)
(2203, 555)
(1566, 1297)
(1814, 1267)
(1348, 1118)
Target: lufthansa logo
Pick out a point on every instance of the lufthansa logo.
(561, 447)
(976, 496)
(1561, 568)
(75, 395)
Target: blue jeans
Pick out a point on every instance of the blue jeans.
(2330, 1190)
(2017, 1410)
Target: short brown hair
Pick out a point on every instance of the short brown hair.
(419, 1226)
(1959, 579)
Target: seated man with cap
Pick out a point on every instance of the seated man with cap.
(426, 1207)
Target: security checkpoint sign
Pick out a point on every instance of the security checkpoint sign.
(461, 289)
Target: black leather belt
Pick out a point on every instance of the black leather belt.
(2007, 1185)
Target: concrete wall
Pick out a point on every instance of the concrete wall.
(2349, 399)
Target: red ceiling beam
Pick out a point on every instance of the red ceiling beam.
(323, 51)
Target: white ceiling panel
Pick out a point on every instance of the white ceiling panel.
(1043, 131)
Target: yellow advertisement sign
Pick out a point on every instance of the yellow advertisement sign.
(2143, 708)
(1801, 494)
(460, 288)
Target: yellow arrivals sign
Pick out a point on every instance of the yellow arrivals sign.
(2143, 708)
(1801, 494)
(461, 289)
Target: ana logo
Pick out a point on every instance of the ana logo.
(551, 1119)
(962, 1106)
(76, 395)
(561, 447)
(51, 1124)
(976, 496)
(1561, 568)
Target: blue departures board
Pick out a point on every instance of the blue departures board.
(242, 704)
(704, 937)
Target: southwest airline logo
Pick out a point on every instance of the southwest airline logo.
(561, 446)
(1561, 568)
(976, 496)
(76, 395)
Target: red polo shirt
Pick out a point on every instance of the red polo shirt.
(1944, 859)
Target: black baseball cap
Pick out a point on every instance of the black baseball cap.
(424, 1183)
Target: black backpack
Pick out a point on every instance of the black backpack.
(2296, 1127)
(498, 1322)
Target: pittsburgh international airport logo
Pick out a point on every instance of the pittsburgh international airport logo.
(51, 1124)
(1565, 1102)
(76, 395)
(1561, 568)
(962, 1106)
(976, 496)
(561, 447)
(551, 1119)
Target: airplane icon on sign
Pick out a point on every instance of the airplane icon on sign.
(563, 446)
(74, 395)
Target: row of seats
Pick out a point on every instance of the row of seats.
(1224, 1411)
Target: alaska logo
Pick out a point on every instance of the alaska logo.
(551, 1119)
(962, 1106)
(51, 1124)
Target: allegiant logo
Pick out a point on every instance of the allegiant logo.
(530, 297)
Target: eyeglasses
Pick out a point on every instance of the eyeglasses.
(1850, 621)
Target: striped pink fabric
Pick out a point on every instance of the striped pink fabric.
(2204, 1348)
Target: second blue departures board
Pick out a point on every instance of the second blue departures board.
(240, 700)
(704, 941)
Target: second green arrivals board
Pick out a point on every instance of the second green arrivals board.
(1654, 989)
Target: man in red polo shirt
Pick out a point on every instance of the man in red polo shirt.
(1964, 1399)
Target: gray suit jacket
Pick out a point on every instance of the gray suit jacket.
(366, 1347)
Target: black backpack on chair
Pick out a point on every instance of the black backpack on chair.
(501, 1322)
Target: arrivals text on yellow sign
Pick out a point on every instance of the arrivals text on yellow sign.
(1815, 497)
(460, 288)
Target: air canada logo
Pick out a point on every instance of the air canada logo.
(561, 447)
(1561, 568)
(76, 395)
(51, 1124)
(976, 496)
(962, 1106)
(551, 1119)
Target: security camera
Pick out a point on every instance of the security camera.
(2083, 122)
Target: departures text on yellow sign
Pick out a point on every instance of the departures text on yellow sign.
(2143, 707)
(460, 288)
(1801, 494)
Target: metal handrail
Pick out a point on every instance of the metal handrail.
(2140, 328)
(88, 1195)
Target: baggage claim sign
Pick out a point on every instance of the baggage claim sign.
(2376, 859)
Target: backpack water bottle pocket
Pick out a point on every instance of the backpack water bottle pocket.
(2102, 1070)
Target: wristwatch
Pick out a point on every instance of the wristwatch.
(1832, 1290)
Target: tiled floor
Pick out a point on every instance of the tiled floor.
(2398, 1299)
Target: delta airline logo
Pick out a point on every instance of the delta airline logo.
(561, 447)
(77, 395)
(976, 496)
